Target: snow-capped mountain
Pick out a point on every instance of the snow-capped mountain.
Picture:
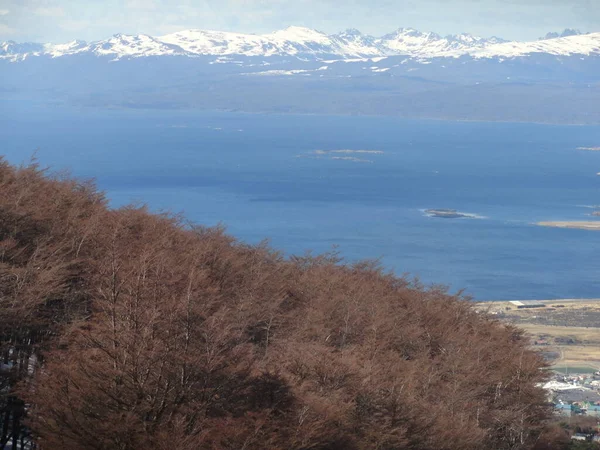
(118, 46)
(299, 70)
(588, 44)
(303, 42)
(357, 43)
(293, 41)
(415, 43)
(11, 48)
(62, 49)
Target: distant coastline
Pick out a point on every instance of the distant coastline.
(549, 302)
(581, 225)
(153, 106)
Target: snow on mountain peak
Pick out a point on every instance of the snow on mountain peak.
(464, 37)
(305, 42)
(299, 35)
(415, 43)
(291, 41)
(584, 44)
(14, 51)
(123, 45)
(352, 42)
(56, 50)
(350, 32)
(208, 42)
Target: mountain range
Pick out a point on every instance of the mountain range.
(308, 43)
(405, 73)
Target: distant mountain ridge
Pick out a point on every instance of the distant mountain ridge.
(565, 33)
(303, 42)
(405, 73)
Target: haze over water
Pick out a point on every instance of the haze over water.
(279, 177)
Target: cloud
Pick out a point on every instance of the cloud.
(6, 30)
(141, 5)
(74, 25)
(93, 19)
(49, 11)
(588, 11)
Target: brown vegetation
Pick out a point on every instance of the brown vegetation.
(558, 432)
(123, 329)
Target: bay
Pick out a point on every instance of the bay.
(360, 183)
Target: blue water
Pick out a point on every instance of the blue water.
(257, 175)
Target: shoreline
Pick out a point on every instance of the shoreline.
(574, 224)
(549, 302)
(258, 111)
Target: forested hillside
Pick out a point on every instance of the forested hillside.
(122, 329)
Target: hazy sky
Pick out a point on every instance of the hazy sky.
(64, 20)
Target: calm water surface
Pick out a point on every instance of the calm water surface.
(276, 177)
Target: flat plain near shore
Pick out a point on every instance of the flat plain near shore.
(565, 332)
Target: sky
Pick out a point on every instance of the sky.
(60, 21)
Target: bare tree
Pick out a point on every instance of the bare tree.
(128, 330)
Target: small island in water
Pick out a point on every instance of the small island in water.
(447, 213)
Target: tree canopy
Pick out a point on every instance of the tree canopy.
(124, 329)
